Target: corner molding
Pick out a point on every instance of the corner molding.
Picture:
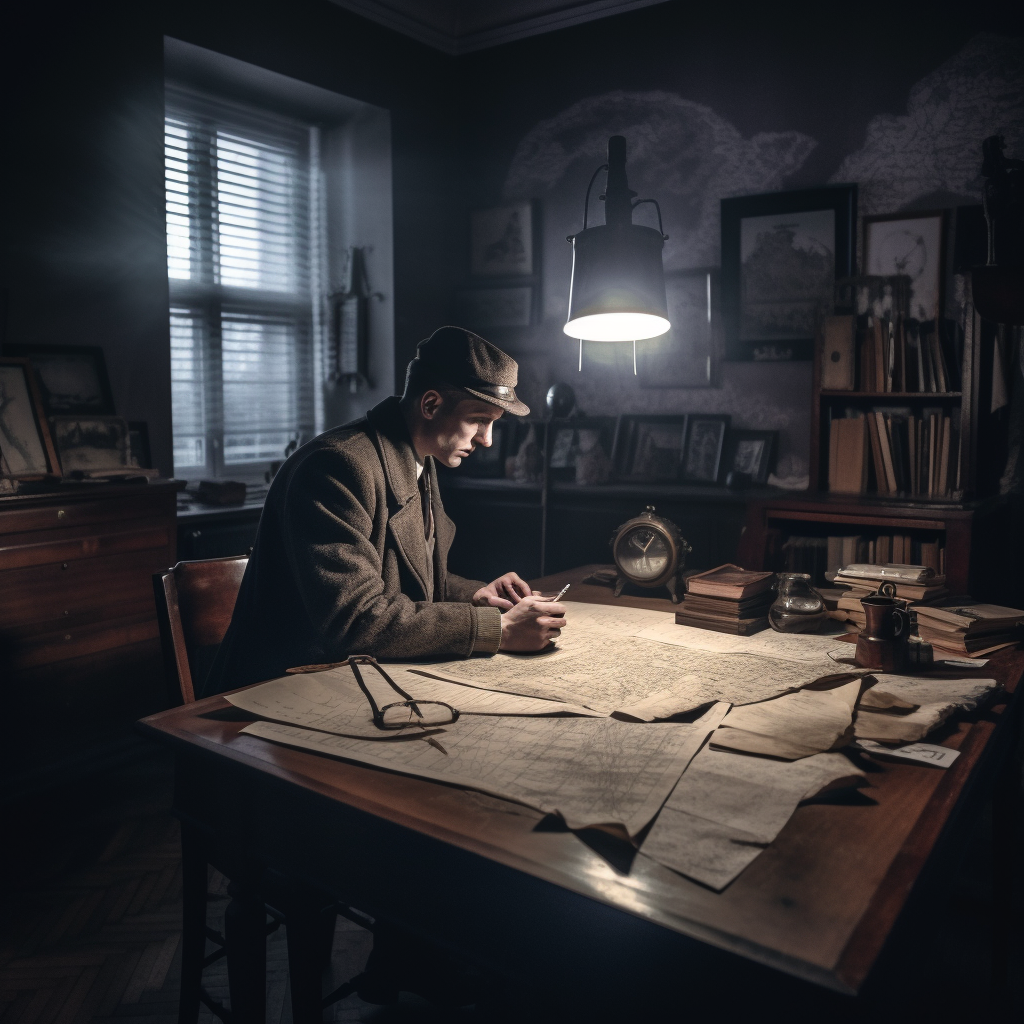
(440, 24)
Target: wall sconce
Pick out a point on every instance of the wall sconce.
(617, 291)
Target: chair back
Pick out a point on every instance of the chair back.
(195, 601)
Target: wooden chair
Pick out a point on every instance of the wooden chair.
(195, 601)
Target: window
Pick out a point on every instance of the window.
(241, 240)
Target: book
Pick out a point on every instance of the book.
(971, 618)
(742, 627)
(837, 363)
(848, 455)
(895, 572)
(881, 481)
(885, 445)
(722, 607)
(730, 581)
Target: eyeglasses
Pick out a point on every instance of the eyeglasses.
(402, 713)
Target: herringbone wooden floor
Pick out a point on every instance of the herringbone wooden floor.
(93, 931)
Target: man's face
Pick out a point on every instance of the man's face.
(454, 431)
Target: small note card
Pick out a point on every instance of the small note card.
(927, 753)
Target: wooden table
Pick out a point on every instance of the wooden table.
(491, 881)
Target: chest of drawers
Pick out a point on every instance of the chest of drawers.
(79, 642)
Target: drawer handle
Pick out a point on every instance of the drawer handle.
(67, 636)
(61, 513)
(63, 565)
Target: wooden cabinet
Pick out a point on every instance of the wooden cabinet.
(79, 643)
(980, 539)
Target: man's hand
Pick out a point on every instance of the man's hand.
(503, 593)
(531, 625)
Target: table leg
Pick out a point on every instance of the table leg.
(245, 931)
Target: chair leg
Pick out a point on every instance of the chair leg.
(245, 930)
(193, 924)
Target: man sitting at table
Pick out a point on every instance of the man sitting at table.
(352, 548)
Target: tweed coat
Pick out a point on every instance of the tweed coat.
(339, 565)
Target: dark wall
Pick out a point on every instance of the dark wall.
(733, 99)
(85, 236)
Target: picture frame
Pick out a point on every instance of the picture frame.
(781, 255)
(72, 378)
(705, 441)
(750, 451)
(912, 245)
(649, 448)
(686, 356)
(92, 444)
(26, 445)
(503, 241)
(489, 463)
(581, 449)
(491, 308)
(138, 444)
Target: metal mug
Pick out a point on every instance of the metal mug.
(883, 642)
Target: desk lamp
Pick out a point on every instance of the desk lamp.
(617, 291)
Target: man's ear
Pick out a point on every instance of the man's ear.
(430, 404)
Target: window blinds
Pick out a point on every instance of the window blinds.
(239, 268)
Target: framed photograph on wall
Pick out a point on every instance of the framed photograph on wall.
(72, 378)
(650, 448)
(781, 255)
(502, 241)
(685, 356)
(750, 451)
(702, 455)
(26, 448)
(487, 308)
(581, 449)
(910, 245)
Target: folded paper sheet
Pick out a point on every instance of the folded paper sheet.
(594, 772)
(793, 726)
(331, 701)
(728, 807)
(882, 713)
(612, 673)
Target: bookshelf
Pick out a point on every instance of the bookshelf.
(911, 417)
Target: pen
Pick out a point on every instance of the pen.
(561, 593)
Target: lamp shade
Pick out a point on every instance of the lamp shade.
(617, 291)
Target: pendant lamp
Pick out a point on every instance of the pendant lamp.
(617, 292)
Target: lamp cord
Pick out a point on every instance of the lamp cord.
(586, 201)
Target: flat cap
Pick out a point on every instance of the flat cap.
(464, 360)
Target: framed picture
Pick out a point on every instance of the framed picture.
(683, 357)
(486, 308)
(581, 449)
(910, 245)
(138, 444)
(490, 462)
(751, 451)
(502, 241)
(26, 448)
(649, 449)
(705, 438)
(90, 444)
(72, 378)
(781, 255)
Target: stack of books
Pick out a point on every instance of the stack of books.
(728, 600)
(972, 629)
(916, 584)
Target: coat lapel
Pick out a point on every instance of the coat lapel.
(444, 532)
(405, 516)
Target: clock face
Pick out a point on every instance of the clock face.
(643, 553)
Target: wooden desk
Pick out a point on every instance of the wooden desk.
(479, 875)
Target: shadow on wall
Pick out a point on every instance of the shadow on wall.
(689, 158)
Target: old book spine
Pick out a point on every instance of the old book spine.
(876, 454)
(883, 440)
